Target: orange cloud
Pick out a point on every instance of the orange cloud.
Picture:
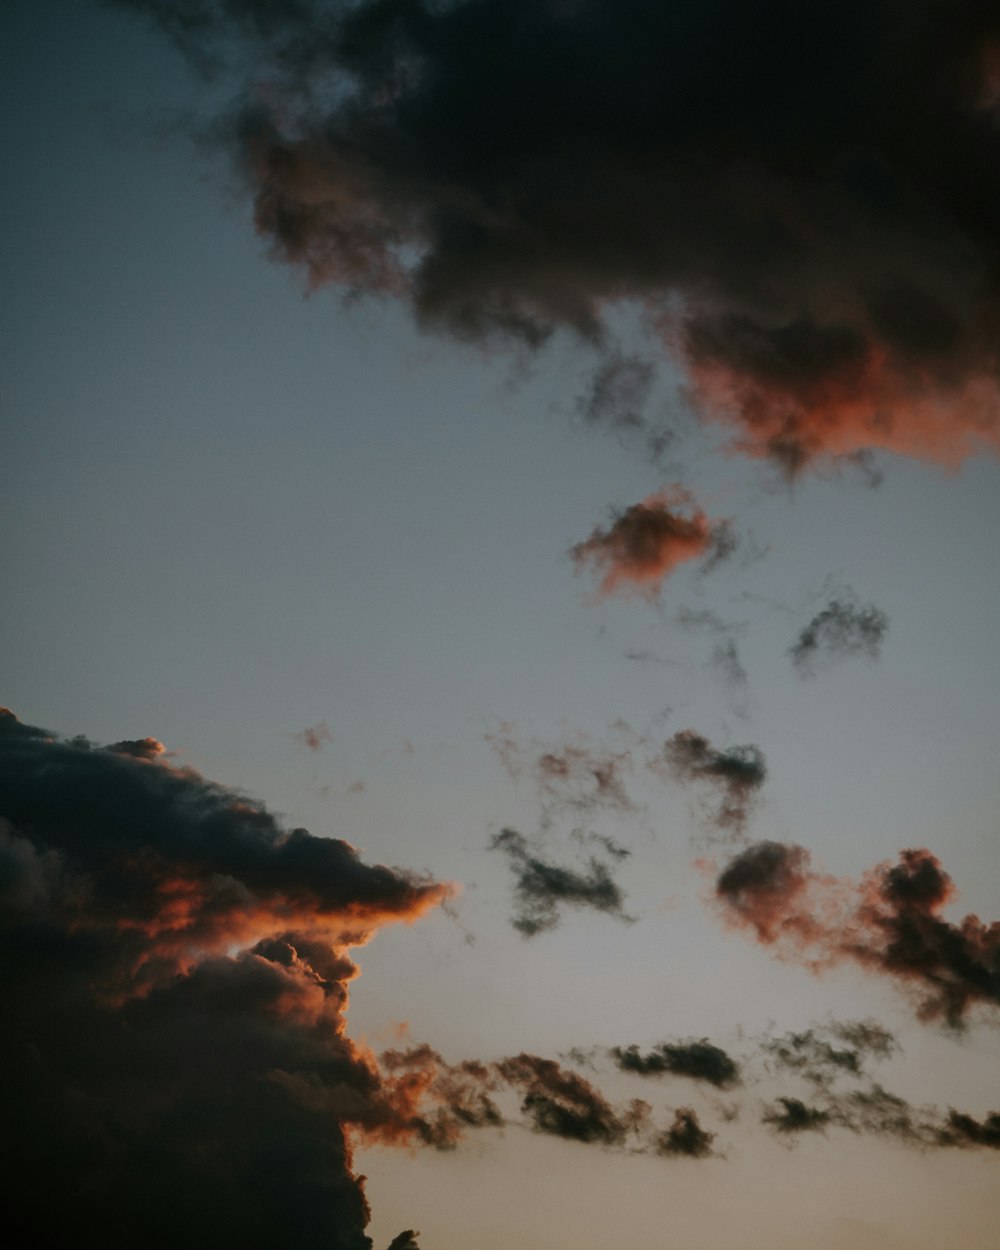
(889, 922)
(646, 542)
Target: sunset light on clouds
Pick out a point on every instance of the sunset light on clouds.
(500, 621)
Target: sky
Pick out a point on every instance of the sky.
(500, 613)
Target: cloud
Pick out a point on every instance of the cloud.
(617, 396)
(443, 1100)
(646, 542)
(875, 1112)
(821, 1054)
(843, 628)
(541, 887)
(736, 774)
(699, 1060)
(802, 201)
(685, 1137)
(887, 922)
(175, 980)
(796, 1116)
(315, 737)
(578, 774)
(563, 1104)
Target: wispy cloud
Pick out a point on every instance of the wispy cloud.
(542, 887)
(842, 629)
(735, 774)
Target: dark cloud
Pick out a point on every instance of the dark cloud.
(541, 887)
(803, 199)
(796, 1116)
(646, 542)
(174, 978)
(563, 1104)
(889, 922)
(699, 1060)
(406, 1240)
(735, 774)
(843, 628)
(685, 1137)
(876, 1112)
(964, 1130)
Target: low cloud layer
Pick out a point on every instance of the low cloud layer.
(802, 200)
(888, 922)
(175, 980)
(542, 888)
(844, 628)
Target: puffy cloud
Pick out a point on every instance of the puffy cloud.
(803, 201)
(175, 979)
(888, 922)
(685, 1137)
(647, 541)
(699, 1060)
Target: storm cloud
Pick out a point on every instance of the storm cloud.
(801, 199)
(175, 978)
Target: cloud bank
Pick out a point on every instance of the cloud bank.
(175, 979)
(803, 199)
